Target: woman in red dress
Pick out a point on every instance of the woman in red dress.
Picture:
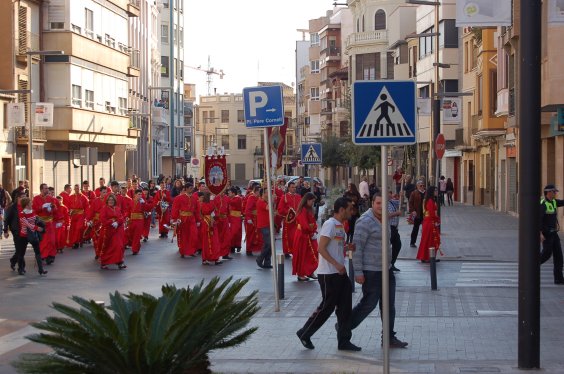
(431, 235)
(305, 256)
(208, 232)
(112, 235)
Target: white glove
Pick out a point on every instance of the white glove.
(59, 225)
(90, 224)
(250, 221)
(46, 206)
(198, 224)
(142, 201)
(314, 236)
(115, 225)
(213, 214)
(49, 209)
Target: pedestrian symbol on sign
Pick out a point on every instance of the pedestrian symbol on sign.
(311, 155)
(384, 120)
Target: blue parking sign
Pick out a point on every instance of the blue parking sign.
(384, 112)
(264, 106)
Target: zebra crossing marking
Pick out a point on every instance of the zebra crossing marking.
(497, 275)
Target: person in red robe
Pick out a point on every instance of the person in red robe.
(91, 196)
(253, 238)
(221, 203)
(44, 206)
(305, 256)
(126, 204)
(93, 220)
(112, 234)
(78, 205)
(137, 220)
(278, 195)
(163, 206)
(65, 194)
(235, 222)
(209, 232)
(132, 188)
(287, 208)
(62, 222)
(149, 205)
(431, 234)
(102, 183)
(183, 217)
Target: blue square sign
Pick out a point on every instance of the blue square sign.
(312, 154)
(384, 112)
(264, 106)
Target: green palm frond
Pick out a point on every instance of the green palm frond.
(140, 333)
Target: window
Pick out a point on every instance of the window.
(480, 94)
(122, 106)
(164, 66)
(89, 99)
(181, 37)
(212, 116)
(165, 3)
(380, 20)
(363, 28)
(390, 65)
(225, 116)
(314, 93)
(76, 95)
(175, 68)
(493, 92)
(368, 66)
(241, 141)
(240, 116)
(426, 44)
(424, 92)
(314, 39)
(57, 25)
(357, 25)
(88, 23)
(174, 36)
(314, 66)
(448, 37)
(164, 34)
(225, 141)
(181, 68)
(110, 108)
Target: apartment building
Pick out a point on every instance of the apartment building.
(22, 20)
(144, 74)
(220, 123)
(169, 154)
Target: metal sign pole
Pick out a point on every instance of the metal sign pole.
(271, 221)
(385, 263)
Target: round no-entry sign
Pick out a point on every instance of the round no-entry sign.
(440, 146)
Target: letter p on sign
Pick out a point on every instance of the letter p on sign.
(258, 99)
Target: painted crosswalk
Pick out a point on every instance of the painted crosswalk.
(497, 274)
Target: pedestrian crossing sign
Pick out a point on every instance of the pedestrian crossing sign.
(312, 154)
(383, 112)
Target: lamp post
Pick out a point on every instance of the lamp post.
(30, 135)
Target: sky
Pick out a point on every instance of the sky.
(251, 40)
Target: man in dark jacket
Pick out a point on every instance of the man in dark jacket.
(11, 221)
(416, 208)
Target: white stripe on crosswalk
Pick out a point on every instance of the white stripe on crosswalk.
(16, 339)
(497, 275)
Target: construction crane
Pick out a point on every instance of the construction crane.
(210, 72)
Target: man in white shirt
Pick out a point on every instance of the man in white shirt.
(336, 288)
(364, 189)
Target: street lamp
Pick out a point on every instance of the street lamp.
(30, 135)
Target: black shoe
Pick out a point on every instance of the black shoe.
(104, 267)
(250, 254)
(43, 272)
(75, 246)
(145, 239)
(267, 266)
(238, 249)
(394, 268)
(50, 260)
(227, 257)
(96, 257)
(437, 260)
(303, 279)
(135, 253)
(396, 343)
(413, 245)
(122, 266)
(232, 249)
(287, 255)
(424, 261)
(559, 281)
(218, 262)
(306, 342)
(12, 265)
(21, 272)
(181, 256)
(348, 346)
(312, 276)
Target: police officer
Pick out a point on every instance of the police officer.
(549, 231)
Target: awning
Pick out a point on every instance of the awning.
(453, 153)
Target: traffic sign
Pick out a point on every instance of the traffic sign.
(312, 154)
(383, 112)
(264, 106)
(440, 146)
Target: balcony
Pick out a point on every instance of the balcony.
(133, 8)
(160, 117)
(39, 135)
(258, 151)
(133, 69)
(25, 41)
(331, 53)
(511, 102)
(502, 102)
(366, 38)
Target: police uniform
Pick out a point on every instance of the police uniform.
(549, 229)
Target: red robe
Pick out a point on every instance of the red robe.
(97, 191)
(163, 216)
(136, 223)
(196, 201)
(62, 217)
(287, 208)
(279, 194)
(78, 205)
(430, 234)
(111, 239)
(305, 255)
(253, 237)
(93, 215)
(66, 198)
(184, 209)
(209, 233)
(235, 222)
(221, 204)
(48, 245)
(148, 213)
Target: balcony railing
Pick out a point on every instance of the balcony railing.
(258, 151)
(27, 41)
(331, 51)
(39, 134)
(160, 116)
(134, 58)
(511, 103)
(367, 37)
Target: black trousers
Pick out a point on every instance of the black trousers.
(265, 256)
(396, 243)
(551, 247)
(415, 231)
(336, 293)
(21, 248)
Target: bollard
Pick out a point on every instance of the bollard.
(281, 259)
(351, 270)
(433, 264)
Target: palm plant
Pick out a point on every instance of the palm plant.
(144, 334)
